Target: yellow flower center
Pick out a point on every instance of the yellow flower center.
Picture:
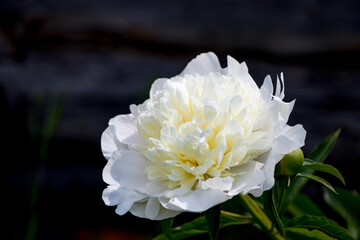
(200, 127)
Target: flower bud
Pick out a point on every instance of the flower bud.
(290, 164)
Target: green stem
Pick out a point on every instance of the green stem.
(260, 217)
(282, 185)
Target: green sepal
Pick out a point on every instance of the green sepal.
(318, 154)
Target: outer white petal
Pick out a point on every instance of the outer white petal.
(272, 158)
(281, 110)
(249, 176)
(123, 198)
(240, 70)
(203, 64)
(107, 173)
(125, 129)
(111, 195)
(267, 89)
(126, 169)
(139, 209)
(291, 138)
(109, 143)
(196, 201)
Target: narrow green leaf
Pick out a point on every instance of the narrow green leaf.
(271, 210)
(323, 224)
(305, 234)
(302, 204)
(317, 179)
(166, 226)
(199, 225)
(323, 168)
(319, 154)
(260, 217)
(212, 217)
(322, 150)
(346, 204)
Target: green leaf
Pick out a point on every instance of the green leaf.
(271, 210)
(259, 216)
(322, 150)
(323, 168)
(212, 217)
(317, 179)
(199, 225)
(346, 204)
(305, 234)
(302, 204)
(319, 154)
(166, 226)
(322, 224)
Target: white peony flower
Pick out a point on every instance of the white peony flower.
(201, 138)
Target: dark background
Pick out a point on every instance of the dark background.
(91, 59)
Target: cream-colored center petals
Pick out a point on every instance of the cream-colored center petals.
(200, 127)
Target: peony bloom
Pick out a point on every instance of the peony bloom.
(201, 138)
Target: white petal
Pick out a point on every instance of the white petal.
(240, 70)
(273, 158)
(138, 209)
(107, 175)
(291, 139)
(111, 195)
(197, 201)
(126, 130)
(109, 143)
(123, 198)
(216, 183)
(127, 169)
(152, 208)
(249, 176)
(267, 89)
(283, 108)
(157, 86)
(203, 64)
(280, 87)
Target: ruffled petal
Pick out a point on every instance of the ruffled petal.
(152, 208)
(198, 200)
(267, 89)
(203, 64)
(248, 177)
(240, 70)
(290, 139)
(216, 183)
(126, 169)
(109, 143)
(125, 129)
(123, 198)
(272, 158)
(157, 86)
(139, 209)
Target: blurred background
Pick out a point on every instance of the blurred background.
(67, 67)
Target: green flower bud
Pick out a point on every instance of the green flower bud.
(290, 164)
